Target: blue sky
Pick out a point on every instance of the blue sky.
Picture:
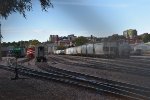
(80, 17)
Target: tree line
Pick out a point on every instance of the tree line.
(144, 37)
(21, 43)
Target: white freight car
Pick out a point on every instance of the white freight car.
(84, 49)
(67, 51)
(79, 51)
(124, 50)
(98, 47)
(105, 49)
(74, 51)
(90, 49)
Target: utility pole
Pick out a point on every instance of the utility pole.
(0, 43)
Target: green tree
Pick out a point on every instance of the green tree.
(139, 37)
(8, 7)
(80, 41)
(13, 44)
(61, 47)
(34, 42)
(4, 44)
(146, 38)
(115, 37)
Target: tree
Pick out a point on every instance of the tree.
(116, 37)
(61, 47)
(8, 7)
(34, 42)
(139, 37)
(146, 38)
(80, 41)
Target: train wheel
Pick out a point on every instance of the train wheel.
(44, 60)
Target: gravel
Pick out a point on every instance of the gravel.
(33, 89)
(108, 74)
(27, 88)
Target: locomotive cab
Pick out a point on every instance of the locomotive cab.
(40, 54)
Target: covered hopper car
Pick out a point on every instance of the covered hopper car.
(105, 49)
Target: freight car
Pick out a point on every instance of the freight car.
(124, 50)
(97, 50)
(60, 52)
(105, 49)
(17, 52)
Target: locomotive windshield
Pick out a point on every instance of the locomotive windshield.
(40, 51)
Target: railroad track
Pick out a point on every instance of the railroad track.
(128, 62)
(94, 83)
(106, 66)
(112, 85)
(131, 59)
(103, 85)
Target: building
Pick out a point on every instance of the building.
(51, 47)
(71, 37)
(63, 38)
(131, 33)
(65, 43)
(55, 41)
(54, 38)
(131, 36)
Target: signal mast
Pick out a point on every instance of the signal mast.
(0, 43)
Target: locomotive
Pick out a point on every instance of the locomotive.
(40, 53)
(30, 52)
(37, 52)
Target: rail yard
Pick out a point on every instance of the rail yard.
(114, 78)
(126, 70)
(119, 77)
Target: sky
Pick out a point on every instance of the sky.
(99, 18)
